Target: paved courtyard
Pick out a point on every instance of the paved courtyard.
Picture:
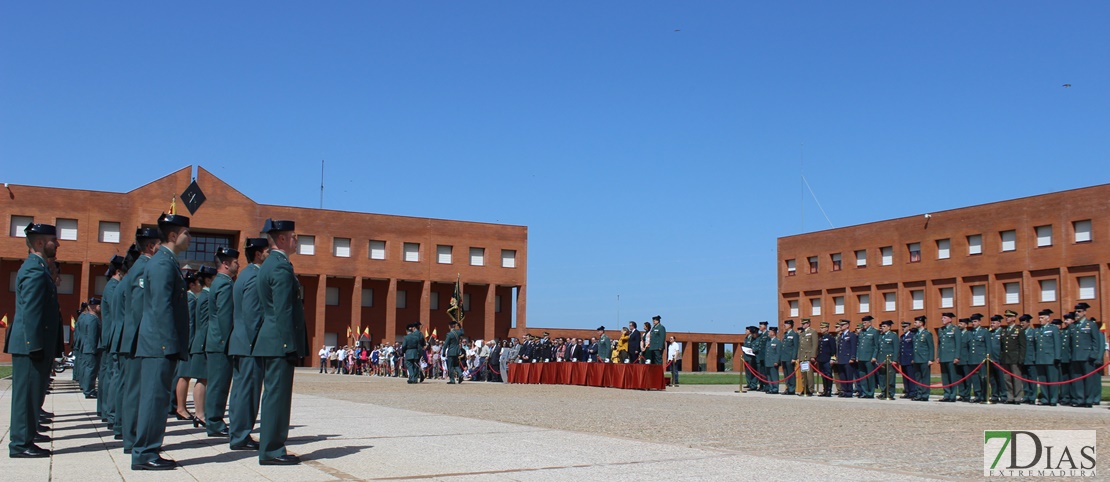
(368, 428)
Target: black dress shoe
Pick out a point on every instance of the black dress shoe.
(44, 413)
(222, 433)
(118, 436)
(156, 464)
(250, 444)
(35, 452)
(283, 460)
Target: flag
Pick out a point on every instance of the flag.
(72, 323)
(366, 332)
(456, 309)
(358, 330)
(348, 332)
(173, 205)
(433, 333)
(4, 322)
(425, 332)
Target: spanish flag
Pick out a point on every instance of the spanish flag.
(366, 332)
(4, 322)
(434, 333)
(425, 332)
(348, 332)
(72, 323)
(173, 205)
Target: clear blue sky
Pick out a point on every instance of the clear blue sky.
(652, 148)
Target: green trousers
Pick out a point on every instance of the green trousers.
(246, 392)
(154, 384)
(26, 385)
(277, 401)
(219, 383)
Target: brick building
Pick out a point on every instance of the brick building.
(358, 270)
(1027, 254)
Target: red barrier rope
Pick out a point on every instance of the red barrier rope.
(950, 385)
(764, 380)
(1047, 383)
(834, 380)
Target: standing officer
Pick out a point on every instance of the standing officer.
(104, 361)
(1086, 351)
(221, 309)
(1012, 356)
(34, 329)
(412, 344)
(114, 387)
(1029, 362)
(183, 373)
(846, 357)
(246, 384)
(905, 360)
(978, 345)
(198, 356)
(161, 340)
(451, 351)
(948, 354)
(807, 351)
(656, 341)
(994, 347)
(963, 361)
(826, 350)
(867, 353)
(749, 369)
(774, 355)
(281, 341)
(789, 356)
(924, 351)
(1067, 335)
(133, 296)
(1048, 359)
(604, 346)
(89, 334)
(760, 349)
(886, 352)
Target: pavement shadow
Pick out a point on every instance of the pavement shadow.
(233, 456)
(335, 452)
(96, 447)
(80, 435)
(304, 439)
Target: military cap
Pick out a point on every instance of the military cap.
(763, 323)
(886, 323)
(774, 329)
(206, 271)
(271, 226)
(753, 329)
(189, 275)
(116, 261)
(256, 243)
(1058, 321)
(133, 254)
(417, 323)
(948, 314)
(1082, 306)
(1010, 313)
(173, 220)
(455, 323)
(805, 321)
(868, 318)
(921, 318)
(1025, 317)
(601, 328)
(996, 318)
(147, 233)
(964, 320)
(1069, 315)
(657, 317)
(40, 229)
(94, 301)
(906, 323)
(843, 322)
(1045, 312)
(226, 252)
(84, 306)
(824, 324)
(788, 322)
(976, 316)
(546, 334)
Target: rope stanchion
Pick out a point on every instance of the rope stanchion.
(1065, 382)
(815, 370)
(931, 387)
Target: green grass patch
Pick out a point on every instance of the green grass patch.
(5, 371)
(726, 378)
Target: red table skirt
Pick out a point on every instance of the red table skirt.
(615, 375)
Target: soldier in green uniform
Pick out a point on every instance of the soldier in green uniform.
(198, 359)
(1086, 350)
(978, 346)
(886, 353)
(182, 375)
(451, 351)
(789, 356)
(773, 355)
(867, 354)
(412, 345)
(604, 346)
(161, 340)
(282, 341)
(89, 335)
(1067, 334)
(246, 385)
(1048, 359)
(948, 354)
(994, 348)
(221, 309)
(36, 323)
(1029, 363)
(133, 295)
(760, 349)
(656, 341)
(1012, 356)
(924, 352)
(106, 364)
(807, 351)
(963, 362)
(115, 383)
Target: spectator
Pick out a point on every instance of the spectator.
(621, 353)
(324, 358)
(674, 359)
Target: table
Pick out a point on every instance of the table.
(613, 375)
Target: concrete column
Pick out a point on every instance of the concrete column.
(711, 357)
(489, 323)
(85, 288)
(689, 356)
(321, 305)
(521, 319)
(426, 303)
(356, 308)
(390, 335)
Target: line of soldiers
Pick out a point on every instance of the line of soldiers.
(866, 360)
(157, 324)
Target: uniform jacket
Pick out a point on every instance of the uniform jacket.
(1030, 346)
(133, 287)
(248, 312)
(846, 347)
(451, 342)
(221, 314)
(1066, 334)
(282, 332)
(604, 347)
(774, 351)
(1012, 350)
(38, 319)
(868, 344)
(164, 328)
(924, 350)
(1048, 345)
(789, 347)
(965, 350)
(807, 344)
(200, 322)
(826, 348)
(1085, 344)
(995, 347)
(887, 346)
(116, 302)
(413, 345)
(658, 337)
(905, 351)
(106, 319)
(948, 343)
(759, 347)
(978, 344)
(89, 333)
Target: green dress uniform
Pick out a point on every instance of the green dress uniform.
(106, 361)
(789, 353)
(281, 342)
(115, 383)
(978, 345)
(866, 351)
(773, 352)
(886, 350)
(451, 351)
(1067, 390)
(198, 362)
(411, 345)
(1029, 364)
(33, 331)
(1086, 349)
(221, 307)
(604, 348)
(997, 384)
(182, 369)
(965, 366)
(759, 347)
(948, 350)
(246, 384)
(924, 351)
(163, 328)
(1048, 359)
(127, 405)
(656, 342)
(88, 329)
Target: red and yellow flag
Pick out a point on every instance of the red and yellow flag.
(173, 205)
(434, 333)
(348, 332)
(72, 323)
(4, 322)
(366, 332)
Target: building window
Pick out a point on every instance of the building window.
(944, 249)
(342, 248)
(861, 258)
(497, 303)
(477, 256)
(975, 244)
(508, 258)
(1086, 287)
(836, 262)
(12, 281)
(791, 269)
(19, 223)
(67, 229)
(838, 305)
(306, 245)
(1082, 231)
(1013, 293)
(466, 301)
(812, 264)
(402, 300)
(918, 298)
(815, 306)
(1048, 290)
(889, 302)
(443, 254)
(793, 308)
(202, 247)
(331, 296)
(433, 301)
(65, 284)
(377, 249)
(947, 296)
(1044, 236)
(979, 295)
(108, 232)
(864, 303)
(888, 255)
(915, 252)
(1009, 240)
(368, 297)
(412, 252)
(101, 283)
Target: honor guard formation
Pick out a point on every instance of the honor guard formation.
(237, 331)
(1016, 360)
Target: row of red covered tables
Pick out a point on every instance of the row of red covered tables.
(592, 374)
